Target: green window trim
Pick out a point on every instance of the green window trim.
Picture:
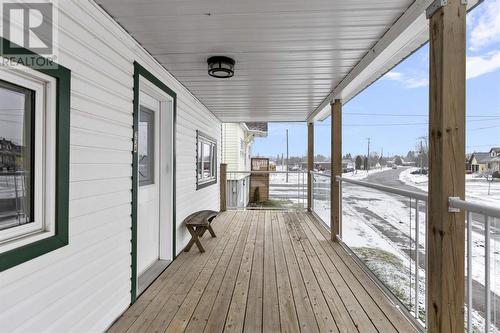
(138, 72)
(200, 136)
(60, 238)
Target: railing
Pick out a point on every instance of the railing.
(480, 301)
(385, 230)
(321, 201)
(266, 189)
(12, 199)
(384, 227)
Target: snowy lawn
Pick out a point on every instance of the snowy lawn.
(380, 228)
(476, 189)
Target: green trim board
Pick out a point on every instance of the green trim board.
(138, 72)
(201, 185)
(30, 251)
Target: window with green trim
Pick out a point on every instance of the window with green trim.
(206, 160)
(34, 161)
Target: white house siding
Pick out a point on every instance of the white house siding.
(231, 139)
(232, 134)
(85, 286)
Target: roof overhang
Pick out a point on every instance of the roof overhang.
(292, 57)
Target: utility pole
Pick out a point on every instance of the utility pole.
(421, 158)
(381, 158)
(287, 155)
(368, 157)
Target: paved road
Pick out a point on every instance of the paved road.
(391, 178)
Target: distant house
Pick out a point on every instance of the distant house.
(237, 140)
(480, 162)
(347, 165)
(494, 162)
(10, 156)
(323, 166)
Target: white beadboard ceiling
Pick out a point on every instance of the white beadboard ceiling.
(290, 54)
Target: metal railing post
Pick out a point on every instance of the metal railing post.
(417, 243)
(487, 286)
(469, 272)
(311, 178)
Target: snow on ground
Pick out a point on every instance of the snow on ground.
(476, 188)
(377, 223)
(380, 226)
(288, 194)
(361, 174)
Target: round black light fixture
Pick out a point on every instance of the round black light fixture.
(220, 67)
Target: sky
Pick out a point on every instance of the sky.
(397, 124)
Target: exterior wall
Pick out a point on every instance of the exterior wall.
(238, 184)
(232, 135)
(238, 192)
(85, 286)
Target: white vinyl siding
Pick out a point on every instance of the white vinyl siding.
(85, 286)
(233, 133)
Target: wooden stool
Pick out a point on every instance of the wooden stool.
(197, 223)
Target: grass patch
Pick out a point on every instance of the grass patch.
(391, 271)
(272, 204)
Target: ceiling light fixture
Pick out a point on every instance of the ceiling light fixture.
(220, 67)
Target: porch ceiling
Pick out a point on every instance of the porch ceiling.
(290, 54)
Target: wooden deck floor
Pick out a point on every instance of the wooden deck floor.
(267, 271)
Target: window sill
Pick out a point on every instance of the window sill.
(206, 184)
(29, 251)
(24, 239)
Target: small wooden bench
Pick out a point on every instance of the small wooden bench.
(197, 223)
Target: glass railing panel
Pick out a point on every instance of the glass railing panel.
(386, 232)
(321, 202)
(266, 189)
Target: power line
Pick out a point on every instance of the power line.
(479, 146)
(483, 128)
(404, 124)
(409, 115)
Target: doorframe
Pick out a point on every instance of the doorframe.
(140, 71)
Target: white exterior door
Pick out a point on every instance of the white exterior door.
(148, 213)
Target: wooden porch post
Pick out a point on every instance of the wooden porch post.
(223, 183)
(336, 169)
(310, 163)
(445, 230)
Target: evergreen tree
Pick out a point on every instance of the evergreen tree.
(358, 162)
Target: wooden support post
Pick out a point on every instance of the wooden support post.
(336, 170)
(310, 163)
(223, 184)
(445, 230)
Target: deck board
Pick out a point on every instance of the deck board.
(267, 271)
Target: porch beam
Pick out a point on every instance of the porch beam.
(223, 183)
(336, 169)
(446, 230)
(310, 163)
